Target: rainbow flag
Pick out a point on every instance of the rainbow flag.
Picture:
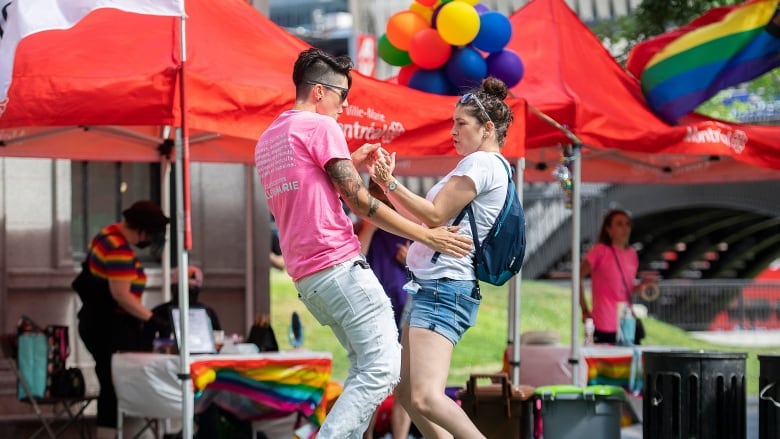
(681, 69)
(274, 384)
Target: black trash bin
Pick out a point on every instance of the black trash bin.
(694, 394)
(769, 396)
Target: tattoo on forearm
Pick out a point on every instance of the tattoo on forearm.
(348, 183)
(373, 204)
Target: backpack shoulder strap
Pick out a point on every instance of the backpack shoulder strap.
(468, 209)
(457, 221)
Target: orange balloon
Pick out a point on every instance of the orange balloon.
(402, 26)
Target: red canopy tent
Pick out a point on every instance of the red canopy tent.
(117, 88)
(107, 89)
(116, 85)
(572, 78)
(573, 81)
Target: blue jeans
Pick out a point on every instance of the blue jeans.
(445, 306)
(348, 298)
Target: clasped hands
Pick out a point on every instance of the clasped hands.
(381, 164)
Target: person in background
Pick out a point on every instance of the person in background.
(612, 265)
(276, 258)
(162, 326)
(306, 168)
(445, 291)
(386, 253)
(112, 320)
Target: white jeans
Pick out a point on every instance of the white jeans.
(348, 298)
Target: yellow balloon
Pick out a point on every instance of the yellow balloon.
(425, 12)
(471, 2)
(457, 23)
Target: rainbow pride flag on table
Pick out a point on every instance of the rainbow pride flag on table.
(277, 384)
(681, 69)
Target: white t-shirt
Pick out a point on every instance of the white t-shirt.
(490, 179)
(314, 231)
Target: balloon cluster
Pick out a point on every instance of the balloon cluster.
(449, 46)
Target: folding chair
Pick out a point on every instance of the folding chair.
(68, 410)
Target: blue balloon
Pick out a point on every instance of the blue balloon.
(466, 67)
(495, 31)
(432, 81)
(507, 66)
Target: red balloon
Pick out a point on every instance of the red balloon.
(428, 49)
(406, 72)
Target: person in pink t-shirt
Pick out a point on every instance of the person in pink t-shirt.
(306, 170)
(612, 265)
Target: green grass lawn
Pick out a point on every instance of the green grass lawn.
(544, 306)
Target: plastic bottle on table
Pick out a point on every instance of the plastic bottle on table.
(590, 328)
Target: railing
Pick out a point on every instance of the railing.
(709, 305)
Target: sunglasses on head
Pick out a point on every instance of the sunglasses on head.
(340, 90)
(469, 96)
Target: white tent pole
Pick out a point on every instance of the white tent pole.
(575, 262)
(187, 406)
(514, 295)
(188, 403)
(574, 357)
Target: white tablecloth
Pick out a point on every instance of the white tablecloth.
(146, 384)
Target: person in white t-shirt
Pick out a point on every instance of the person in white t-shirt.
(305, 166)
(444, 290)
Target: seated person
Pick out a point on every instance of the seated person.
(209, 419)
(163, 327)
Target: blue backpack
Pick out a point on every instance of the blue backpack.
(500, 256)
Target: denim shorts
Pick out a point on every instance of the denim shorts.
(445, 306)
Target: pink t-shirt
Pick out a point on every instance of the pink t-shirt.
(314, 231)
(607, 289)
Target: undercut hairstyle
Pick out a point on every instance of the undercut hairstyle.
(316, 65)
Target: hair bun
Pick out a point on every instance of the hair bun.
(495, 87)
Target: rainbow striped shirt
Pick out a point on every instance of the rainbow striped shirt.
(111, 257)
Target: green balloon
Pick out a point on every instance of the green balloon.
(391, 54)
